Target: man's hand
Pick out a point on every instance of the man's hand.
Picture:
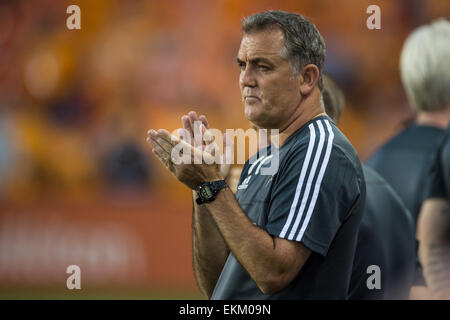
(189, 122)
(183, 167)
(209, 250)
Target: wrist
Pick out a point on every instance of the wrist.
(208, 191)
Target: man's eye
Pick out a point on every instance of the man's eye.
(263, 67)
(241, 66)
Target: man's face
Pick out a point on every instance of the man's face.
(270, 92)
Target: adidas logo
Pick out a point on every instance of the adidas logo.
(244, 183)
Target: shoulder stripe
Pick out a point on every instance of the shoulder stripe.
(309, 183)
(312, 139)
(319, 180)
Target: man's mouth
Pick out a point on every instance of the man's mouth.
(251, 99)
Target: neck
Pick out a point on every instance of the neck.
(309, 108)
(439, 119)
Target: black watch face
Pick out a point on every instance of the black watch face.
(206, 193)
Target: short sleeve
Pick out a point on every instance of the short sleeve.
(313, 192)
(437, 185)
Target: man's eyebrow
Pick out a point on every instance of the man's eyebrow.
(260, 59)
(256, 60)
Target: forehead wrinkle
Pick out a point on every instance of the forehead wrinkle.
(252, 48)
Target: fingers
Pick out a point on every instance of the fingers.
(190, 123)
(193, 117)
(152, 139)
(209, 141)
(203, 119)
(188, 126)
(205, 133)
(164, 138)
(195, 125)
(162, 141)
(159, 151)
(229, 149)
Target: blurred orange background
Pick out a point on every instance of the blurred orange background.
(78, 184)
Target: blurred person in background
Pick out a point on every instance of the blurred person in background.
(291, 235)
(404, 160)
(125, 166)
(433, 229)
(386, 236)
(123, 163)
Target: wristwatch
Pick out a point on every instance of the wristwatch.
(208, 191)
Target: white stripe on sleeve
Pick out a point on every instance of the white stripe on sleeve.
(319, 180)
(312, 139)
(311, 176)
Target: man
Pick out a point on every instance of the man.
(291, 235)
(404, 161)
(386, 250)
(434, 225)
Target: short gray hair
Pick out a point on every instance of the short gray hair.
(425, 66)
(303, 42)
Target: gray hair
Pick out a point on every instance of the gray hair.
(303, 42)
(425, 66)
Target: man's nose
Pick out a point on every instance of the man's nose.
(247, 78)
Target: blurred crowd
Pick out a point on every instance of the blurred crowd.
(75, 105)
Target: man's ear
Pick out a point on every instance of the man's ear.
(309, 78)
